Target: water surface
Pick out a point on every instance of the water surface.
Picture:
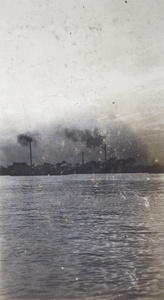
(82, 237)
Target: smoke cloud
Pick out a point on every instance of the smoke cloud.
(91, 139)
(56, 143)
(26, 139)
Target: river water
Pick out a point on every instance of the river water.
(82, 237)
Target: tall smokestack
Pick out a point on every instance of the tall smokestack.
(25, 140)
(105, 152)
(30, 154)
(82, 158)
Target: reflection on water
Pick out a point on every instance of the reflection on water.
(82, 237)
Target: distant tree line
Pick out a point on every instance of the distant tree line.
(112, 165)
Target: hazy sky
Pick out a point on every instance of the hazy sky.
(80, 63)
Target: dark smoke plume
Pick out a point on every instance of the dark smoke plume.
(91, 139)
(24, 139)
(27, 139)
(55, 143)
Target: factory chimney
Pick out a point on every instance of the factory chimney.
(30, 153)
(104, 151)
(82, 158)
(25, 140)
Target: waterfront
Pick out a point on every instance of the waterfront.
(82, 237)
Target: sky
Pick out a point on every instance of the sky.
(82, 64)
